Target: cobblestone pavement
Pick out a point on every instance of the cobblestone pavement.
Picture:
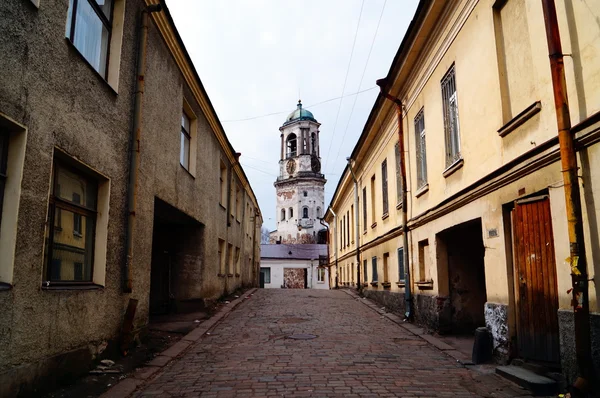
(357, 353)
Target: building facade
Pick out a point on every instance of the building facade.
(294, 266)
(300, 185)
(487, 226)
(103, 185)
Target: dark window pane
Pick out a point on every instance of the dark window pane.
(184, 156)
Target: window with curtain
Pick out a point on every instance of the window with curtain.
(89, 25)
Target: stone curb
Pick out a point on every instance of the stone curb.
(417, 331)
(126, 387)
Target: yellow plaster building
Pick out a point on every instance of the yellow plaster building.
(487, 226)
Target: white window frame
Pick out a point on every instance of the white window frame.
(451, 119)
(421, 149)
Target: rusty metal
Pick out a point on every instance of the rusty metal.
(577, 259)
(407, 289)
(136, 133)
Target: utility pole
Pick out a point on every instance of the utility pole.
(568, 158)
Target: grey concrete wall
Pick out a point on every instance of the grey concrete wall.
(566, 327)
(46, 86)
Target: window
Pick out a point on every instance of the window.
(321, 275)
(401, 271)
(386, 276)
(184, 151)
(291, 212)
(348, 228)
(221, 257)
(352, 221)
(305, 212)
(230, 258)
(365, 209)
(398, 175)
(305, 194)
(266, 271)
(373, 200)
(69, 252)
(374, 269)
(313, 143)
(238, 203)
(364, 270)
(223, 183)
(384, 187)
(341, 233)
(282, 214)
(319, 212)
(423, 261)
(420, 147)
(89, 25)
(451, 117)
(292, 148)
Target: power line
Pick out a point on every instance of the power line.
(360, 83)
(307, 107)
(345, 80)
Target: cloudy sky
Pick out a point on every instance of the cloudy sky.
(256, 58)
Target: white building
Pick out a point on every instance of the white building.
(293, 266)
(300, 186)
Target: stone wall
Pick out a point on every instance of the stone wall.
(566, 327)
(496, 320)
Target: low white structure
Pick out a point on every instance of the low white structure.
(293, 266)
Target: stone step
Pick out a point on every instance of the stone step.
(537, 384)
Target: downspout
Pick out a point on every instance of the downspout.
(407, 289)
(254, 267)
(335, 248)
(136, 133)
(568, 157)
(356, 226)
(327, 228)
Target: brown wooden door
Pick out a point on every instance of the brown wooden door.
(535, 273)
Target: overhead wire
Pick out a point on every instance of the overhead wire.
(307, 107)
(345, 81)
(361, 80)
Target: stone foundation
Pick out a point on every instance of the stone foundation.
(392, 301)
(496, 320)
(566, 327)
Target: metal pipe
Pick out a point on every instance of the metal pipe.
(356, 226)
(322, 222)
(136, 133)
(407, 287)
(335, 248)
(568, 157)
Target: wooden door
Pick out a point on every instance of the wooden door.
(535, 280)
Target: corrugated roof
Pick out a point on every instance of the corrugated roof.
(294, 252)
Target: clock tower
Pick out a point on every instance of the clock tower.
(300, 186)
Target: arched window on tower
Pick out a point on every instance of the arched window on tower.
(313, 143)
(318, 212)
(282, 214)
(292, 148)
(305, 212)
(291, 212)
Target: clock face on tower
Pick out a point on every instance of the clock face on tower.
(290, 166)
(315, 164)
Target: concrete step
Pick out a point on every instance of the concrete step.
(537, 384)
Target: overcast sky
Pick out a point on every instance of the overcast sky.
(258, 57)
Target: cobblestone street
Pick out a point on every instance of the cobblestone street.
(357, 352)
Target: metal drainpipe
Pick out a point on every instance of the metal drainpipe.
(407, 289)
(335, 249)
(356, 226)
(568, 156)
(136, 133)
